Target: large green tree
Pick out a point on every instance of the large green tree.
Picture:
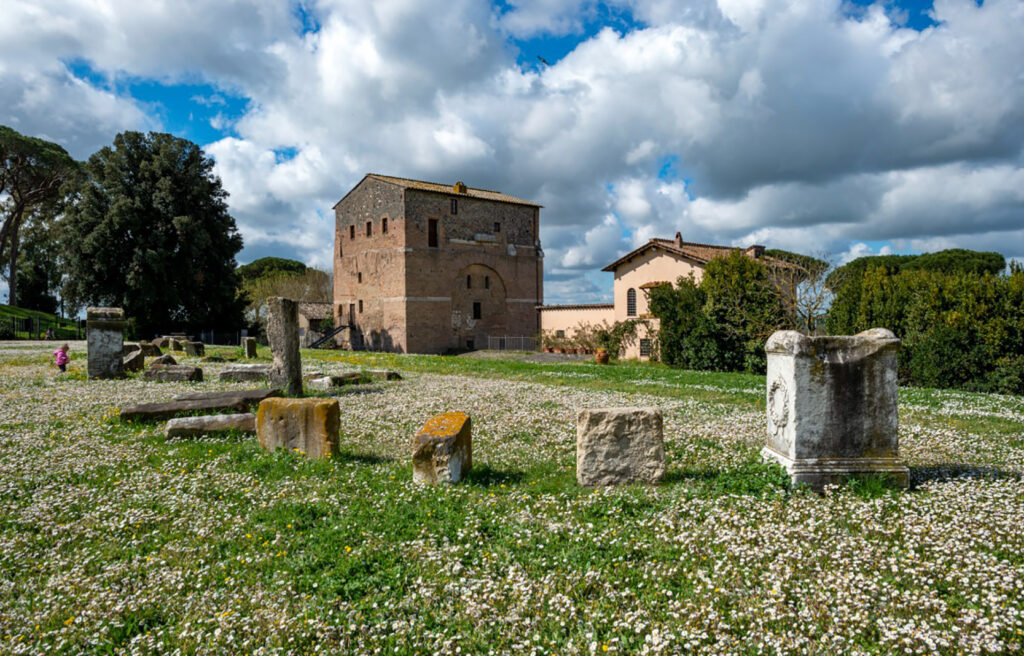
(33, 178)
(150, 232)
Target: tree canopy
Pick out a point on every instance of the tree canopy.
(266, 266)
(150, 232)
(33, 174)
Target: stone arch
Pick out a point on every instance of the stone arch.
(486, 288)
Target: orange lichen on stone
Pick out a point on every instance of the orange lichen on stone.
(309, 426)
(450, 423)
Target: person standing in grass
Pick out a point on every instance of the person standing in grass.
(61, 357)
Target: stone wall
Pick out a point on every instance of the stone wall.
(414, 297)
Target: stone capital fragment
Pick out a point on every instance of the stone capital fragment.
(442, 451)
(616, 446)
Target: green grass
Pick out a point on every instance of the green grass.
(63, 328)
(118, 540)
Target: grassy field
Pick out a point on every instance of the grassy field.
(116, 540)
(63, 328)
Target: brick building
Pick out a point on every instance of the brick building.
(421, 267)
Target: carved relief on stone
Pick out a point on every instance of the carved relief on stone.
(778, 407)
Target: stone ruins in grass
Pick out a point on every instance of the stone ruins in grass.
(104, 342)
(309, 426)
(283, 335)
(616, 446)
(442, 451)
(832, 406)
(249, 346)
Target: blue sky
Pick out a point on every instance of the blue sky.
(834, 127)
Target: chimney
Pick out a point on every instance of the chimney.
(459, 187)
(679, 239)
(756, 251)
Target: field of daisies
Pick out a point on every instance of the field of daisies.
(114, 540)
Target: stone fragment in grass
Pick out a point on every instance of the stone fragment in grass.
(283, 335)
(309, 426)
(195, 349)
(831, 406)
(128, 349)
(166, 358)
(195, 426)
(162, 342)
(149, 349)
(442, 451)
(175, 344)
(243, 373)
(168, 409)
(181, 373)
(616, 446)
(249, 344)
(134, 361)
(252, 396)
(325, 383)
(104, 342)
(383, 374)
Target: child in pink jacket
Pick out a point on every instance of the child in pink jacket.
(61, 357)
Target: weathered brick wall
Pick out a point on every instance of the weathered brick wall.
(415, 297)
(438, 274)
(380, 260)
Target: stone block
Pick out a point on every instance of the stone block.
(104, 342)
(168, 409)
(162, 342)
(253, 397)
(326, 383)
(309, 425)
(195, 349)
(128, 349)
(832, 406)
(442, 451)
(616, 446)
(249, 345)
(134, 361)
(176, 345)
(180, 373)
(243, 373)
(195, 426)
(283, 335)
(383, 374)
(166, 358)
(150, 349)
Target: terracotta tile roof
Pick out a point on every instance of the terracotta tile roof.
(472, 192)
(580, 306)
(654, 283)
(700, 253)
(316, 310)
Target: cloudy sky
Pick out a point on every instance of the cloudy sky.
(821, 126)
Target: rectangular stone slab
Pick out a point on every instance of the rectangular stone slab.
(307, 425)
(195, 426)
(158, 411)
(383, 374)
(178, 373)
(242, 373)
(253, 396)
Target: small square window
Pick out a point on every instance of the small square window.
(497, 227)
(476, 310)
(384, 226)
(645, 348)
(560, 334)
(470, 345)
(351, 232)
(360, 307)
(369, 228)
(455, 206)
